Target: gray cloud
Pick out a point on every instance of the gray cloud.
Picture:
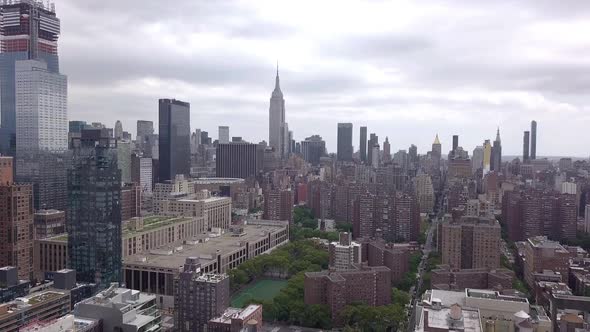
(452, 67)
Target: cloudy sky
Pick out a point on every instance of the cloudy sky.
(406, 69)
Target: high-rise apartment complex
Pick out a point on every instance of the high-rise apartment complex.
(94, 209)
(471, 242)
(174, 138)
(278, 204)
(363, 144)
(345, 254)
(30, 30)
(239, 160)
(534, 140)
(16, 222)
(198, 297)
(344, 147)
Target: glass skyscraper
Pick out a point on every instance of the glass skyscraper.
(94, 208)
(30, 30)
(174, 138)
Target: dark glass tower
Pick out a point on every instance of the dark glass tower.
(30, 30)
(497, 153)
(174, 138)
(363, 144)
(94, 208)
(344, 148)
(525, 146)
(534, 140)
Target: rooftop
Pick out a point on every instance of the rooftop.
(218, 180)
(205, 247)
(150, 223)
(26, 302)
(236, 313)
(493, 295)
(544, 243)
(441, 318)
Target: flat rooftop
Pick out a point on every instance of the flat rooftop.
(152, 222)
(205, 247)
(238, 313)
(26, 302)
(470, 321)
(493, 295)
(218, 180)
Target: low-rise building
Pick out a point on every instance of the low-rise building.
(10, 286)
(66, 323)
(154, 271)
(41, 306)
(121, 309)
(445, 278)
(238, 319)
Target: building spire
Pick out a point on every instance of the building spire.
(277, 90)
(436, 140)
(498, 135)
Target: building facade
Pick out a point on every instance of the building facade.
(198, 297)
(17, 228)
(174, 139)
(344, 147)
(239, 160)
(94, 213)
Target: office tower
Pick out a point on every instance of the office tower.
(205, 140)
(174, 139)
(198, 297)
(6, 170)
(534, 140)
(477, 159)
(344, 147)
(386, 150)
(144, 139)
(497, 153)
(344, 253)
(413, 159)
(424, 192)
(487, 156)
(94, 209)
(49, 223)
(525, 147)
(455, 143)
(363, 144)
(436, 153)
(124, 159)
(278, 204)
(312, 149)
(276, 119)
(30, 30)
(587, 219)
(118, 130)
(130, 201)
(198, 137)
(375, 157)
(16, 222)
(373, 139)
(141, 173)
(285, 140)
(223, 137)
(238, 160)
(471, 242)
(41, 132)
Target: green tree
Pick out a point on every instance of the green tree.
(399, 297)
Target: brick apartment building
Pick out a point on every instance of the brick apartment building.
(470, 242)
(368, 285)
(445, 278)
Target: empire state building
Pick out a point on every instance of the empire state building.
(278, 131)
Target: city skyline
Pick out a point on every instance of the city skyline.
(408, 89)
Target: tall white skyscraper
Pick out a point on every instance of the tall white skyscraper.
(223, 134)
(42, 108)
(277, 129)
(42, 132)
